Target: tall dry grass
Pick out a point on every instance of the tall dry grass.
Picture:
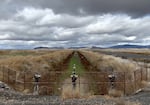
(103, 62)
(123, 69)
(128, 50)
(30, 62)
(35, 63)
(69, 93)
(115, 93)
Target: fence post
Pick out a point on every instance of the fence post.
(8, 75)
(3, 73)
(24, 81)
(141, 74)
(50, 74)
(79, 83)
(15, 80)
(146, 73)
(124, 83)
(134, 80)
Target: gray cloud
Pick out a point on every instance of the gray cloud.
(80, 7)
(26, 23)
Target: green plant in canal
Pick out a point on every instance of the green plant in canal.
(75, 60)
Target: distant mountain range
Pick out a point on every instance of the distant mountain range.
(95, 47)
(59, 47)
(130, 46)
(122, 46)
(77, 47)
(48, 48)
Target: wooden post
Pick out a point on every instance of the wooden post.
(124, 83)
(146, 73)
(15, 80)
(145, 68)
(3, 73)
(8, 75)
(49, 78)
(24, 81)
(134, 80)
(141, 74)
(79, 83)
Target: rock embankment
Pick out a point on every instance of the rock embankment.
(3, 86)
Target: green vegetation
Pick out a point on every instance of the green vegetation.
(79, 67)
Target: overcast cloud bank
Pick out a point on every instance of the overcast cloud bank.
(30, 24)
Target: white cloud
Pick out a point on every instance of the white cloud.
(48, 17)
(38, 27)
(108, 24)
(4, 36)
(131, 38)
(30, 13)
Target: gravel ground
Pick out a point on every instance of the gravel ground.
(142, 97)
(12, 98)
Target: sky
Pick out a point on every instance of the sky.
(26, 24)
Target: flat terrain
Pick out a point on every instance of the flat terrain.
(127, 53)
(81, 95)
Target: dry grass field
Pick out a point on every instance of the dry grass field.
(138, 55)
(103, 62)
(130, 75)
(33, 60)
(28, 62)
(129, 50)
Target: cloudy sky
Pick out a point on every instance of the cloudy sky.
(25, 24)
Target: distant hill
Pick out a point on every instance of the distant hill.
(77, 47)
(82, 47)
(130, 46)
(95, 47)
(48, 48)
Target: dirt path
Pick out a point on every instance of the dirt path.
(80, 91)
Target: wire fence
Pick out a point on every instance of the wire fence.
(52, 82)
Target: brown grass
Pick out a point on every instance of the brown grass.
(129, 51)
(31, 62)
(81, 90)
(69, 93)
(115, 93)
(144, 84)
(107, 63)
(133, 51)
(4, 54)
(35, 63)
